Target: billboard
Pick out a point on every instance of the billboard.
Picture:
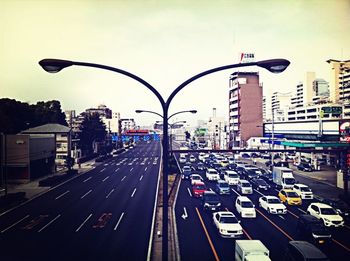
(246, 57)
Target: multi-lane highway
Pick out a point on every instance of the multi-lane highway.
(104, 214)
(200, 240)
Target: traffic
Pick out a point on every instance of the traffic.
(241, 199)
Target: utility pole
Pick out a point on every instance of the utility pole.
(273, 137)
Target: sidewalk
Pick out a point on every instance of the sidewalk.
(18, 193)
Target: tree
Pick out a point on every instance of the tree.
(92, 130)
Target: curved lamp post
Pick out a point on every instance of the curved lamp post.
(56, 65)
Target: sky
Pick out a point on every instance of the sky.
(165, 43)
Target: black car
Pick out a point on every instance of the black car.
(260, 184)
(249, 174)
(267, 176)
(313, 230)
(304, 167)
(211, 201)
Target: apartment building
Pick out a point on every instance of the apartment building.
(280, 103)
(245, 107)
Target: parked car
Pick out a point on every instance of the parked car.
(272, 205)
(326, 213)
(304, 167)
(245, 207)
(313, 230)
(289, 197)
(227, 224)
(244, 187)
(222, 188)
(260, 184)
(195, 178)
(211, 201)
(303, 191)
(198, 189)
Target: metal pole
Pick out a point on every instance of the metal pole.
(273, 137)
(165, 183)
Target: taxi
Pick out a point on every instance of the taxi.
(290, 197)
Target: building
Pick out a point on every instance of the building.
(112, 125)
(245, 120)
(280, 103)
(314, 112)
(62, 136)
(217, 130)
(102, 110)
(26, 157)
(127, 124)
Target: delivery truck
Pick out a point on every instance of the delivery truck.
(283, 177)
(251, 250)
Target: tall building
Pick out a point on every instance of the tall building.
(298, 98)
(280, 103)
(102, 110)
(245, 107)
(70, 115)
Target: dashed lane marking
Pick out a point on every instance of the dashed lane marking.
(87, 193)
(60, 196)
(290, 212)
(110, 193)
(48, 224)
(141, 177)
(235, 192)
(340, 244)
(133, 193)
(120, 219)
(105, 179)
(82, 224)
(301, 210)
(102, 170)
(189, 192)
(123, 178)
(87, 179)
(14, 224)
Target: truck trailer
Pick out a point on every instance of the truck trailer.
(251, 250)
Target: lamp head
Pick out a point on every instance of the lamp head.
(274, 65)
(54, 65)
(138, 111)
(193, 111)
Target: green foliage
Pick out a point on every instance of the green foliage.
(92, 129)
(16, 116)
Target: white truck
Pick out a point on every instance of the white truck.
(283, 177)
(251, 250)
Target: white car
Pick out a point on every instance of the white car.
(231, 177)
(195, 178)
(303, 191)
(182, 159)
(192, 158)
(245, 207)
(272, 205)
(227, 224)
(212, 174)
(329, 215)
(244, 187)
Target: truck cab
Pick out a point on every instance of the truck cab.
(283, 177)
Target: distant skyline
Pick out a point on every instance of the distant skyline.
(165, 43)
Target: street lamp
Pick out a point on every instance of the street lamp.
(56, 65)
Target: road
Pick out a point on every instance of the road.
(199, 239)
(104, 214)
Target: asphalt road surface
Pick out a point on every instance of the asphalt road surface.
(104, 214)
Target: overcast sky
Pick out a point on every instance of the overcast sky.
(165, 43)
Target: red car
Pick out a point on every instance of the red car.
(198, 189)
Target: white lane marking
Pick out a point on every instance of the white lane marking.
(277, 190)
(133, 193)
(235, 192)
(116, 170)
(60, 196)
(141, 177)
(123, 178)
(281, 217)
(49, 223)
(19, 221)
(145, 168)
(120, 219)
(82, 224)
(131, 169)
(102, 170)
(259, 192)
(87, 179)
(86, 194)
(301, 210)
(189, 192)
(184, 215)
(211, 190)
(130, 163)
(110, 193)
(105, 179)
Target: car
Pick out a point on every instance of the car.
(186, 172)
(260, 184)
(244, 187)
(224, 163)
(198, 189)
(265, 156)
(182, 159)
(250, 173)
(231, 177)
(200, 166)
(195, 178)
(222, 187)
(289, 197)
(326, 213)
(245, 207)
(266, 175)
(303, 191)
(272, 205)
(303, 251)
(192, 158)
(227, 224)
(313, 230)
(304, 167)
(212, 174)
(340, 206)
(211, 201)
